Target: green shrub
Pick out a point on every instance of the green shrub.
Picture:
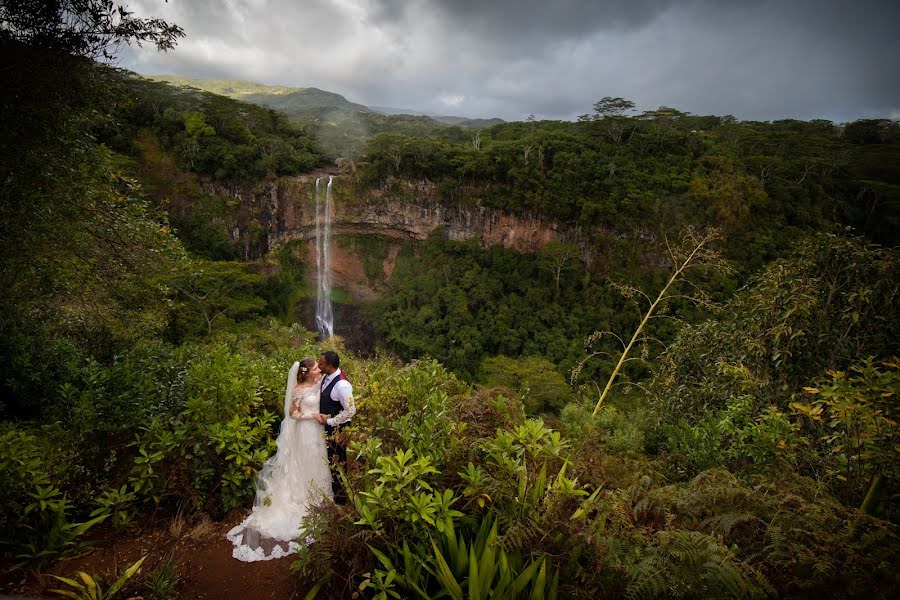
(734, 437)
(455, 567)
(35, 516)
(851, 427)
(163, 580)
(619, 429)
(829, 305)
(534, 379)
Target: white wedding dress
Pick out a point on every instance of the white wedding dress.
(294, 479)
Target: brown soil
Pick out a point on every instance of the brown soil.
(202, 554)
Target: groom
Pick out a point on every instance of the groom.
(336, 408)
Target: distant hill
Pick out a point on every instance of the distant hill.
(297, 101)
(292, 101)
(304, 100)
(342, 127)
(225, 87)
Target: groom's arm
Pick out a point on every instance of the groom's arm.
(343, 393)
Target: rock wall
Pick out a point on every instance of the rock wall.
(411, 214)
(285, 210)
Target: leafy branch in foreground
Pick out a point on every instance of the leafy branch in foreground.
(691, 253)
(92, 28)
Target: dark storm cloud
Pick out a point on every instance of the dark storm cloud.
(762, 60)
(517, 21)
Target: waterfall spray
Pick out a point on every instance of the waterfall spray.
(324, 313)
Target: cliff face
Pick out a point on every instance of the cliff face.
(285, 211)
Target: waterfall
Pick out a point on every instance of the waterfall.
(324, 313)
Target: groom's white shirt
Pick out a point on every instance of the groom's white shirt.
(343, 393)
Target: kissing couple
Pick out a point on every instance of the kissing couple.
(304, 471)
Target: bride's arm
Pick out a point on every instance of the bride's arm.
(295, 412)
(298, 414)
(307, 416)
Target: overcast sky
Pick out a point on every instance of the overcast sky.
(838, 60)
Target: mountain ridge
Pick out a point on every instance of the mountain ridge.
(298, 100)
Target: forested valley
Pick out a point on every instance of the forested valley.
(692, 394)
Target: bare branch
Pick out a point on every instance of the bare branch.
(692, 247)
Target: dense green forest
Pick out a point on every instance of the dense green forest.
(750, 452)
(628, 183)
(762, 182)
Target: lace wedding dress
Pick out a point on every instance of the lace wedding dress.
(291, 481)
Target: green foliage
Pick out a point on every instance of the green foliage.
(91, 28)
(461, 304)
(828, 306)
(850, 425)
(409, 408)
(212, 135)
(681, 562)
(83, 248)
(522, 473)
(477, 569)
(35, 520)
(90, 589)
(737, 437)
(534, 380)
(784, 534)
(690, 253)
(210, 451)
(764, 184)
(401, 492)
(621, 430)
(211, 291)
(284, 288)
(118, 505)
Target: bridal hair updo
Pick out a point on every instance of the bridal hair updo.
(303, 372)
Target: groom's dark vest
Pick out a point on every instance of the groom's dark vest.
(330, 407)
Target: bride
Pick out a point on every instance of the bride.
(294, 479)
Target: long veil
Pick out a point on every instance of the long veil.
(289, 392)
(265, 480)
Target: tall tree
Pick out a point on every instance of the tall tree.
(611, 111)
(79, 246)
(557, 257)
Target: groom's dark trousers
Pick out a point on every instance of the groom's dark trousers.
(337, 454)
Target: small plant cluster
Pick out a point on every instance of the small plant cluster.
(90, 588)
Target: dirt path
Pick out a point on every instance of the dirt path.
(202, 554)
